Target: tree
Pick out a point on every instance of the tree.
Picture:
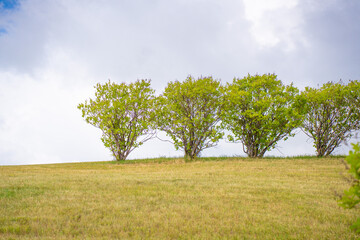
(260, 111)
(124, 113)
(351, 197)
(333, 115)
(189, 112)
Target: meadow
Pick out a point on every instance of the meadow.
(212, 198)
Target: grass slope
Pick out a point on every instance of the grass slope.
(170, 199)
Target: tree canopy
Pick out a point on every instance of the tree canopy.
(124, 113)
(259, 111)
(189, 112)
(332, 114)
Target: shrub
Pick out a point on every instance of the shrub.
(124, 113)
(333, 114)
(351, 197)
(189, 112)
(259, 111)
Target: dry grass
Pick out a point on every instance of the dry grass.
(227, 199)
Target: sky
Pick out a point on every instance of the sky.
(52, 53)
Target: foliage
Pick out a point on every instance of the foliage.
(260, 111)
(333, 114)
(189, 112)
(124, 113)
(351, 197)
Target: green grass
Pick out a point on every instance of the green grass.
(213, 198)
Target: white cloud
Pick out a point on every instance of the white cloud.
(39, 119)
(275, 22)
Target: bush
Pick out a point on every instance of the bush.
(124, 113)
(351, 197)
(189, 112)
(333, 114)
(260, 111)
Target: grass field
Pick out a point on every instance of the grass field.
(169, 199)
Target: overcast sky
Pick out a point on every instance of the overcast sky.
(52, 53)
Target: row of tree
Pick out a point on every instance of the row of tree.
(258, 111)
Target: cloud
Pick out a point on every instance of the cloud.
(40, 122)
(334, 34)
(268, 25)
(53, 52)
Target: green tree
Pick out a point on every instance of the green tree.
(333, 115)
(124, 113)
(189, 112)
(260, 111)
(351, 197)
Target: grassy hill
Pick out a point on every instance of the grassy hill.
(169, 199)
